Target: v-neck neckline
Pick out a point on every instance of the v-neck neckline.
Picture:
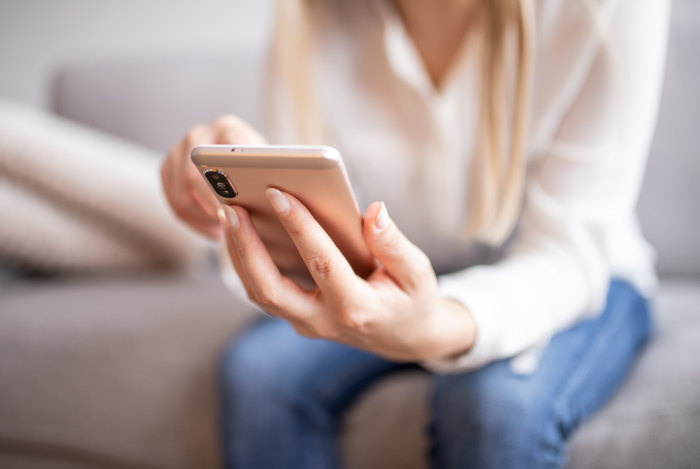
(407, 63)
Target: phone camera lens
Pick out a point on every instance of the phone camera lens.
(221, 184)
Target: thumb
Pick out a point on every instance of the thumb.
(230, 129)
(402, 260)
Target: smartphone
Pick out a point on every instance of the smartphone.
(239, 175)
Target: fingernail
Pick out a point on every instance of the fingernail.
(382, 220)
(278, 200)
(231, 217)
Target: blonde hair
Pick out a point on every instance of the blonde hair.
(293, 51)
(498, 170)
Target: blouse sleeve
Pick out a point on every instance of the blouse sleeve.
(581, 192)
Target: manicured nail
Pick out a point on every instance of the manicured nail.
(278, 200)
(231, 217)
(382, 220)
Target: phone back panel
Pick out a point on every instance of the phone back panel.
(314, 175)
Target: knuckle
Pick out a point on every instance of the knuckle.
(246, 251)
(297, 227)
(268, 298)
(326, 331)
(321, 265)
(235, 129)
(353, 320)
(305, 332)
(420, 271)
(227, 121)
(193, 136)
(391, 243)
(252, 297)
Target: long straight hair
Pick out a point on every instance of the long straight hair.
(497, 174)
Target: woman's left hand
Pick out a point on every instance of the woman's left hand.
(396, 313)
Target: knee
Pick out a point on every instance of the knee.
(246, 362)
(235, 361)
(492, 413)
(269, 361)
(489, 423)
(270, 373)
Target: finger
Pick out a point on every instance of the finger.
(185, 185)
(185, 206)
(200, 192)
(189, 211)
(227, 129)
(233, 255)
(272, 291)
(326, 264)
(403, 260)
(188, 174)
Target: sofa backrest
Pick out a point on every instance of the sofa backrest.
(155, 102)
(669, 204)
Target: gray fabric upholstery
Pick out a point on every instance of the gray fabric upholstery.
(115, 371)
(669, 204)
(121, 373)
(154, 102)
(654, 421)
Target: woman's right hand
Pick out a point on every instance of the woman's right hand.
(186, 190)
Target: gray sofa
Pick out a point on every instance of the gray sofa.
(119, 371)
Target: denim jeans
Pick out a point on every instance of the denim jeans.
(284, 395)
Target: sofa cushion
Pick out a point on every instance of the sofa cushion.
(113, 372)
(120, 372)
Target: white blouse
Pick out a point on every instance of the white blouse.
(598, 73)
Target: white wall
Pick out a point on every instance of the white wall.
(36, 35)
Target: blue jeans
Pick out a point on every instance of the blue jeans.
(283, 395)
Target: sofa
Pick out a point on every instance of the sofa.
(119, 369)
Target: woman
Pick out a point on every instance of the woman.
(507, 140)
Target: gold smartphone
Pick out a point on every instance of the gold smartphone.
(239, 175)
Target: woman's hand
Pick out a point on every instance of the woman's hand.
(396, 313)
(184, 187)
